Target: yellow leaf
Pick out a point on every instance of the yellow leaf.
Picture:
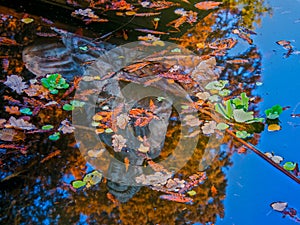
(27, 20)
(274, 127)
(130, 13)
(97, 117)
(143, 148)
(158, 43)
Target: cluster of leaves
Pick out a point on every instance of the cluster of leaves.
(90, 179)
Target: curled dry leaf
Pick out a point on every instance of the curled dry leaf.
(118, 142)
(15, 83)
(20, 124)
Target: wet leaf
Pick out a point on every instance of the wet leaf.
(279, 206)
(27, 20)
(122, 120)
(191, 120)
(7, 134)
(290, 166)
(209, 127)
(274, 112)
(108, 130)
(66, 127)
(15, 83)
(26, 111)
(207, 5)
(203, 95)
(54, 137)
(216, 85)
(14, 110)
(143, 148)
(47, 127)
(276, 158)
(222, 126)
(68, 107)
(92, 178)
(21, 124)
(191, 193)
(242, 134)
(241, 116)
(274, 127)
(118, 142)
(78, 184)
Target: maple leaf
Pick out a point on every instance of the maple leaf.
(21, 124)
(15, 83)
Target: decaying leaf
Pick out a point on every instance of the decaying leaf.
(16, 83)
(118, 142)
(143, 148)
(11, 135)
(192, 121)
(2, 122)
(279, 206)
(13, 110)
(156, 179)
(122, 120)
(37, 90)
(66, 127)
(96, 153)
(209, 127)
(20, 123)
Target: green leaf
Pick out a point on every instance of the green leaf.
(229, 109)
(55, 136)
(224, 92)
(241, 116)
(68, 107)
(274, 112)
(216, 85)
(222, 126)
(255, 120)
(78, 184)
(26, 111)
(83, 48)
(45, 82)
(290, 166)
(220, 109)
(109, 130)
(214, 98)
(242, 134)
(47, 127)
(241, 102)
(53, 91)
(93, 178)
(160, 98)
(77, 103)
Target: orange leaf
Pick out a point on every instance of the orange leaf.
(213, 190)
(152, 105)
(12, 110)
(207, 5)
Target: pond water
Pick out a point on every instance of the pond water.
(141, 146)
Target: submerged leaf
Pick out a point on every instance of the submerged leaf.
(118, 142)
(92, 178)
(21, 124)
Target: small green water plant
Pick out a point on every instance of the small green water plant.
(26, 111)
(54, 82)
(237, 109)
(273, 112)
(72, 105)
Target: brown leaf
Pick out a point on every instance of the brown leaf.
(122, 120)
(21, 124)
(118, 142)
(7, 41)
(2, 122)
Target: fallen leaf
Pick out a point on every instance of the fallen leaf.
(276, 158)
(274, 127)
(213, 190)
(207, 5)
(2, 122)
(15, 83)
(279, 206)
(191, 120)
(143, 148)
(118, 142)
(209, 127)
(122, 120)
(14, 110)
(66, 127)
(21, 124)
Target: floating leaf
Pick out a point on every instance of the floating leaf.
(276, 158)
(109, 130)
(21, 124)
(242, 134)
(77, 103)
(26, 111)
(78, 184)
(66, 127)
(216, 85)
(47, 127)
(274, 112)
(15, 83)
(207, 5)
(191, 193)
(68, 107)
(274, 127)
(53, 82)
(224, 92)
(54, 137)
(92, 178)
(241, 116)
(118, 142)
(27, 20)
(279, 206)
(241, 102)
(290, 166)
(209, 127)
(222, 126)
